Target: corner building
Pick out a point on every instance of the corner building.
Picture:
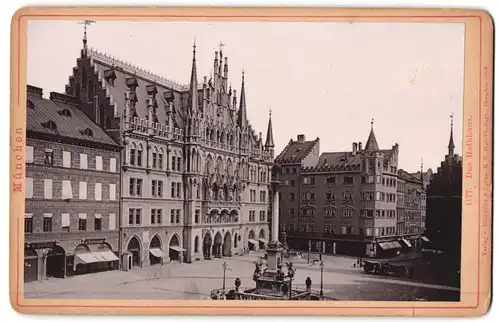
(195, 175)
(72, 191)
(344, 202)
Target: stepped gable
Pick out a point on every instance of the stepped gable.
(296, 151)
(68, 120)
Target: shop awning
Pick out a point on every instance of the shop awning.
(406, 242)
(108, 256)
(157, 252)
(253, 241)
(85, 258)
(263, 240)
(425, 239)
(177, 249)
(389, 245)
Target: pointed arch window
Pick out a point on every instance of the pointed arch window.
(139, 155)
(160, 158)
(154, 158)
(133, 153)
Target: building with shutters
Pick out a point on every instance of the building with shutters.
(195, 174)
(347, 202)
(71, 219)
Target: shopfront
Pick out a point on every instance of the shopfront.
(44, 259)
(93, 255)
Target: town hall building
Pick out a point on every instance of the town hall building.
(195, 175)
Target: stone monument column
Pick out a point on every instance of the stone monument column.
(275, 214)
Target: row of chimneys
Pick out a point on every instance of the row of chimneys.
(356, 147)
(54, 96)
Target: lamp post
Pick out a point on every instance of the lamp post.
(224, 267)
(321, 266)
(309, 252)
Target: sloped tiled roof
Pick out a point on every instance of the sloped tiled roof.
(338, 158)
(296, 151)
(73, 126)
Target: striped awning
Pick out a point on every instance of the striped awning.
(406, 242)
(157, 252)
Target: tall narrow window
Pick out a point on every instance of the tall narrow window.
(30, 154)
(65, 222)
(28, 223)
(112, 191)
(83, 161)
(47, 188)
(29, 187)
(97, 222)
(98, 192)
(82, 190)
(66, 159)
(112, 222)
(48, 157)
(98, 163)
(67, 191)
(112, 165)
(82, 222)
(139, 156)
(47, 222)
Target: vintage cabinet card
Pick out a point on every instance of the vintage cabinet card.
(216, 160)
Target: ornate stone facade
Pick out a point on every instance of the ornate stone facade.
(195, 174)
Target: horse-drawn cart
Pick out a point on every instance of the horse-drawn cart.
(402, 269)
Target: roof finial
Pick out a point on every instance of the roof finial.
(85, 24)
(270, 112)
(194, 48)
(451, 117)
(372, 121)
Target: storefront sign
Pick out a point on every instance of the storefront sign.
(41, 245)
(93, 241)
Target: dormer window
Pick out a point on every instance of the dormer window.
(65, 112)
(88, 132)
(51, 125)
(30, 104)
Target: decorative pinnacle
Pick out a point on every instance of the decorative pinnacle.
(372, 121)
(451, 117)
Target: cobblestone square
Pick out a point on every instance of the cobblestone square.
(194, 281)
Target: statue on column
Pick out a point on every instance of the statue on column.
(209, 192)
(230, 194)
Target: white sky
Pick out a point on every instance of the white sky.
(325, 80)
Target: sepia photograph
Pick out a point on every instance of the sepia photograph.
(244, 160)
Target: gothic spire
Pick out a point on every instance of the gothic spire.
(451, 145)
(242, 112)
(371, 143)
(269, 137)
(193, 88)
(85, 24)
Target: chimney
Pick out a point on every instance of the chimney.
(35, 90)
(301, 138)
(354, 148)
(360, 147)
(62, 98)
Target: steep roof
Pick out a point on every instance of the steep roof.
(72, 123)
(338, 158)
(296, 151)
